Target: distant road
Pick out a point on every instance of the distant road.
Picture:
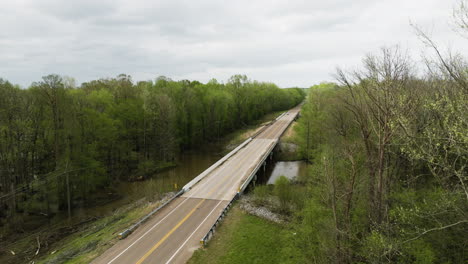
(174, 233)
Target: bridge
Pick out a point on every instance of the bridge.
(185, 223)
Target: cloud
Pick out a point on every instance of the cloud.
(74, 10)
(291, 43)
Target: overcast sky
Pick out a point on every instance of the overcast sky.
(288, 42)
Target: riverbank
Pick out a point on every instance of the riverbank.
(288, 146)
(94, 229)
(259, 228)
(77, 242)
(240, 135)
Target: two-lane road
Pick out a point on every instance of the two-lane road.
(174, 233)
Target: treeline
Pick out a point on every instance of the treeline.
(389, 159)
(60, 143)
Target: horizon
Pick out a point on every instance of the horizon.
(294, 44)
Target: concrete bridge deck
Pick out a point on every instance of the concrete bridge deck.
(173, 233)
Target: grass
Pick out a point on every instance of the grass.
(289, 145)
(290, 133)
(82, 247)
(240, 135)
(94, 238)
(243, 238)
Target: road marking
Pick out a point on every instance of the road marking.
(169, 233)
(172, 211)
(198, 227)
(262, 143)
(147, 254)
(239, 161)
(204, 187)
(269, 132)
(273, 131)
(239, 164)
(131, 245)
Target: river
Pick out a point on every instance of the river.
(293, 170)
(189, 165)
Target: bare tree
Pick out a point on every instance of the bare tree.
(460, 15)
(377, 96)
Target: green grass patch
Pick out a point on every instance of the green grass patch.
(289, 149)
(243, 238)
(269, 117)
(239, 135)
(82, 247)
(288, 153)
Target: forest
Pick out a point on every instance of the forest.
(60, 143)
(388, 153)
(386, 145)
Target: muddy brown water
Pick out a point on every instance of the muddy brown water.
(189, 165)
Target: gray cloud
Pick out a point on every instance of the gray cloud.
(74, 10)
(292, 43)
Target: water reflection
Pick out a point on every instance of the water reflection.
(290, 169)
(189, 166)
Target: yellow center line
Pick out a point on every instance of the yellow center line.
(168, 234)
(273, 130)
(239, 163)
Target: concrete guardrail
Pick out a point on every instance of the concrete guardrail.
(200, 177)
(211, 232)
(197, 179)
(244, 185)
(132, 228)
(247, 181)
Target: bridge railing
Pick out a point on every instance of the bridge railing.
(200, 177)
(241, 189)
(132, 228)
(211, 232)
(255, 170)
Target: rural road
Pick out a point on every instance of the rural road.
(174, 233)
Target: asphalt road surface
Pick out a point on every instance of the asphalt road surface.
(174, 233)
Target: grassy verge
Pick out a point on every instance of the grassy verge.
(288, 145)
(240, 135)
(243, 238)
(81, 242)
(83, 246)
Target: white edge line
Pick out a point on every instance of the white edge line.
(134, 242)
(173, 210)
(198, 227)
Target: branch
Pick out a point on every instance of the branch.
(434, 229)
(445, 65)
